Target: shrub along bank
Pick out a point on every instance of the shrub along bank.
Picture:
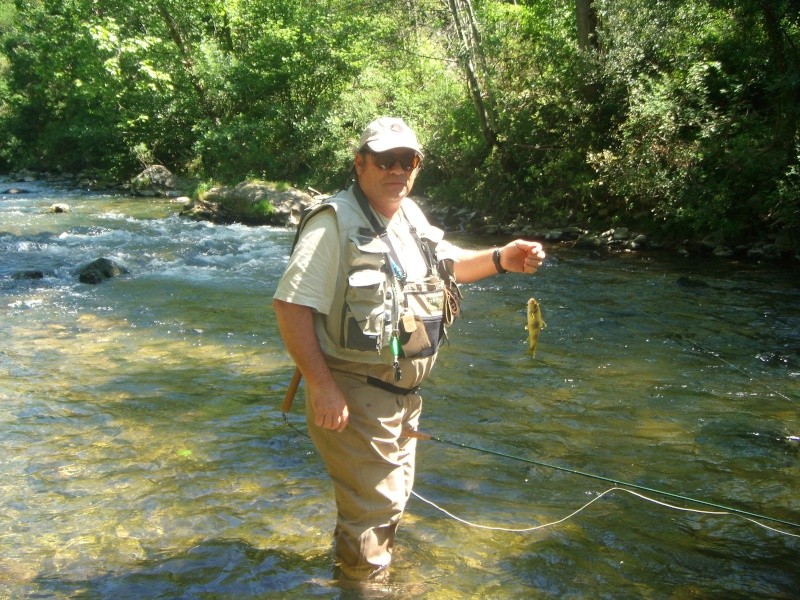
(679, 119)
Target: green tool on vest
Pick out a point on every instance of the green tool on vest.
(395, 344)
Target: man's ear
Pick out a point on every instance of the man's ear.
(359, 163)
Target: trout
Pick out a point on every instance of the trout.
(535, 325)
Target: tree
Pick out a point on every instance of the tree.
(473, 63)
(677, 114)
(587, 24)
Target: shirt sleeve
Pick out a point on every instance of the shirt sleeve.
(444, 249)
(310, 276)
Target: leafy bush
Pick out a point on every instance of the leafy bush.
(684, 118)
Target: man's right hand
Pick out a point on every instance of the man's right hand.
(296, 325)
(329, 407)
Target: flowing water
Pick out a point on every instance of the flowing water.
(144, 456)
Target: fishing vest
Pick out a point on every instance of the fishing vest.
(377, 315)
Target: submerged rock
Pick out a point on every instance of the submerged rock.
(690, 282)
(99, 270)
(28, 274)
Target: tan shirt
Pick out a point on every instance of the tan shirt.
(310, 276)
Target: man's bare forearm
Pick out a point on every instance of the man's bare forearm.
(296, 324)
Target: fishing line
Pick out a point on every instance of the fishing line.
(722, 510)
(716, 355)
(621, 485)
(585, 506)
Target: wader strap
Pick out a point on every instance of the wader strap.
(388, 387)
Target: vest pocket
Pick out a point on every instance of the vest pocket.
(417, 343)
(427, 304)
(365, 313)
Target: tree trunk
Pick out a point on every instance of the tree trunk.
(587, 24)
(185, 50)
(471, 60)
(785, 63)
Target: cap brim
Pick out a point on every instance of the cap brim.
(384, 145)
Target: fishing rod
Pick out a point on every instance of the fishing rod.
(419, 435)
(424, 436)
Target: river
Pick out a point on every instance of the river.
(144, 455)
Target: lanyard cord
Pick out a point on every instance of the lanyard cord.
(377, 226)
(383, 234)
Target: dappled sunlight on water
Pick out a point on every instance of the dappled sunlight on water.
(142, 453)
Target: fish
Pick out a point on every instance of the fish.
(535, 325)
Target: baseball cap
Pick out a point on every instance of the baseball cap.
(388, 133)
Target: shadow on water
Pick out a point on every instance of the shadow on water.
(709, 561)
(216, 568)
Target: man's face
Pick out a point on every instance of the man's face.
(386, 178)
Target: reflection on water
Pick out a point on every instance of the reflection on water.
(143, 454)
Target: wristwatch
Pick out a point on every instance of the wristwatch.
(496, 259)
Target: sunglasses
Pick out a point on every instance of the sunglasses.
(386, 160)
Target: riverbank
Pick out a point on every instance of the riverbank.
(253, 202)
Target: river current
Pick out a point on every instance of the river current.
(144, 455)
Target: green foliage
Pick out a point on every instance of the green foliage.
(684, 119)
(537, 170)
(242, 210)
(262, 210)
(698, 148)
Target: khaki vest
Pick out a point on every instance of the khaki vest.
(372, 305)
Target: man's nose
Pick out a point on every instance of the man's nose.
(396, 168)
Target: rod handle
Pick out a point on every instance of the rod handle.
(413, 433)
(290, 393)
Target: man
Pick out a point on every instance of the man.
(362, 308)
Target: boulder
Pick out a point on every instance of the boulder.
(723, 252)
(713, 241)
(767, 252)
(99, 270)
(787, 241)
(590, 241)
(156, 180)
(252, 203)
(24, 175)
(573, 233)
(28, 274)
(620, 234)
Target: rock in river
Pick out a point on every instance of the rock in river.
(99, 270)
